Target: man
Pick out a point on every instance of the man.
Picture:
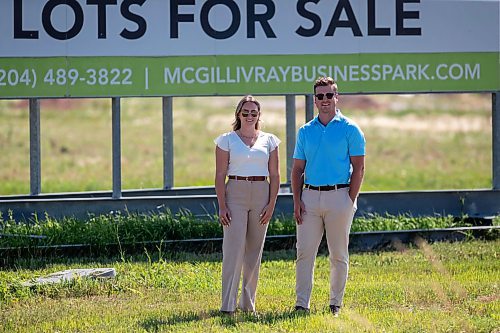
(327, 173)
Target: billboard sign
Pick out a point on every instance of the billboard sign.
(77, 48)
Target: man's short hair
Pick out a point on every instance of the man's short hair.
(324, 81)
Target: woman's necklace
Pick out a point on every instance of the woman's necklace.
(246, 137)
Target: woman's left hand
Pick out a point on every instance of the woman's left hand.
(266, 214)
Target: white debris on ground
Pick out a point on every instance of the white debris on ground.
(70, 274)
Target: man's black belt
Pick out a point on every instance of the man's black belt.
(326, 187)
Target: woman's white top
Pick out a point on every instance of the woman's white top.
(245, 160)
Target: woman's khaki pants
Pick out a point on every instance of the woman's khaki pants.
(330, 211)
(243, 242)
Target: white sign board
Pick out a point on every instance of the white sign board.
(207, 47)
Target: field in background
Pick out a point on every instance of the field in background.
(430, 288)
(414, 142)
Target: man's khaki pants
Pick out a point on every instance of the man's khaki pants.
(332, 211)
(243, 242)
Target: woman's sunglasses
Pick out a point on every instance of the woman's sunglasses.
(328, 96)
(253, 114)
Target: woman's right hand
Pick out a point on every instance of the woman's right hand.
(224, 216)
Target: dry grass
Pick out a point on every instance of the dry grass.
(414, 141)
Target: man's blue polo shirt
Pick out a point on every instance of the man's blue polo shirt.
(326, 149)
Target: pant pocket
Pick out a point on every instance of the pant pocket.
(354, 204)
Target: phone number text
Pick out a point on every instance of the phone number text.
(63, 76)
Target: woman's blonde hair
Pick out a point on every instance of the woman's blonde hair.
(237, 121)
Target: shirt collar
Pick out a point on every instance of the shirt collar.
(338, 117)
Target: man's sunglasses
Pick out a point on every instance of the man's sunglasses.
(253, 114)
(328, 96)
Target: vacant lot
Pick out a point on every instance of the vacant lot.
(430, 288)
(432, 141)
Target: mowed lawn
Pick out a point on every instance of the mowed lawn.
(443, 287)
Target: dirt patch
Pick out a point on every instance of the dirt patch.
(472, 103)
(363, 102)
(445, 123)
(488, 298)
(54, 103)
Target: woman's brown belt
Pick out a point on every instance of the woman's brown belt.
(248, 178)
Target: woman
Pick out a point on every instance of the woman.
(247, 156)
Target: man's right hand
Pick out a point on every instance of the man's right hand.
(298, 210)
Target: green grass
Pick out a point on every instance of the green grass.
(430, 288)
(422, 142)
(132, 228)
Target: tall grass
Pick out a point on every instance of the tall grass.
(132, 228)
